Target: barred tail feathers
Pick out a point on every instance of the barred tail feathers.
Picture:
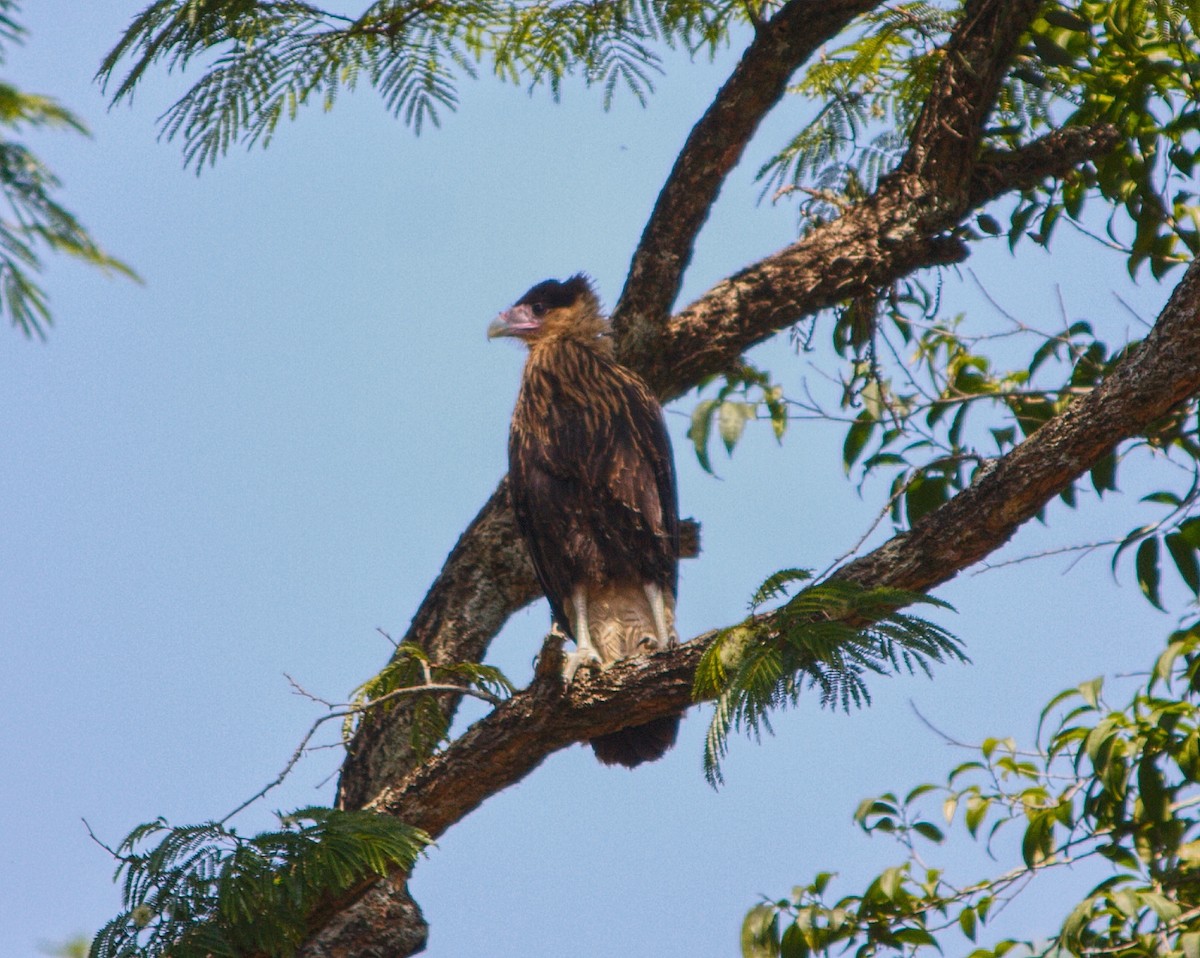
(621, 624)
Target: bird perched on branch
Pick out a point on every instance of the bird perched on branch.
(592, 483)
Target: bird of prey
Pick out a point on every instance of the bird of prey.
(592, 483)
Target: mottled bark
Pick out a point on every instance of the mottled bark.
(894, 233)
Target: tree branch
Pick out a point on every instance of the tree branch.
(895, 231)
(516, 737)
(873, 244)
(1049, 157)
(944, 142)
(714, 147)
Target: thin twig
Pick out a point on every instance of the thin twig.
(344, 710)
(1084, 548)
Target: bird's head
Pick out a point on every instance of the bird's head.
(553, 308)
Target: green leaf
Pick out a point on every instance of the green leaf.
(1189, 531)
(1152, 789)
(857, 437)
(1163, 907)
(731, 422)
(760, 933)
(918, 791)
(1066, 20)
(930, 831)
(1184, 557)
(1104, 474)
(977, 809)
(891, 881)
(1148, 575)
(1052, 52)
(698, 432)
(793, 944)
(1090, 691)
(1038, 842)
(967, 922)
(925, 493)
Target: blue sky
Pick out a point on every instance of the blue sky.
(247, 465)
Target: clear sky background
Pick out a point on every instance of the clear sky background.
(245, 466)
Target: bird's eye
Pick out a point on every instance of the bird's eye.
(538, 309)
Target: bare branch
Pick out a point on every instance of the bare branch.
(714, 147)
(342, 710)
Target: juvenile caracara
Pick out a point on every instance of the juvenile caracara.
(593, 488)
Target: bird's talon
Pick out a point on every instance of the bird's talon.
(580, 657)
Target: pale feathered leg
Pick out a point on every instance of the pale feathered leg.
(658, 609)
(585, 653)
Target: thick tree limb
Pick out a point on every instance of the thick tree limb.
(714, 147)
(944, 142)
(900, 228)
(868, 248)
(503, 747)
(1050, 157)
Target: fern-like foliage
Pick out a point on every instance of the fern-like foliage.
(411, 670)
(1124, 63)
(871, 90)
(199, 891)
(829, 637)
(35, 219)
(265, 59)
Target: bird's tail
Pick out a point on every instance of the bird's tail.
(621, 624)
(640, 743)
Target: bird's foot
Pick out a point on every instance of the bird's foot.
(648, 643)
(588, 657)
(651, 643)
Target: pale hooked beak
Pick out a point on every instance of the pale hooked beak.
(518, 321)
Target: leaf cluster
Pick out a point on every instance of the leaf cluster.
(870, 89)
(747, 394)
(829, 637)
(410, 670)
(1116, 785)
(35, 219)
(263, 60)
(926, 407)
(922, 425)
(1130, 63)
(204, 891)
(944, 415)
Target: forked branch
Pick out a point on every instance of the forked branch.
(714, 147)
